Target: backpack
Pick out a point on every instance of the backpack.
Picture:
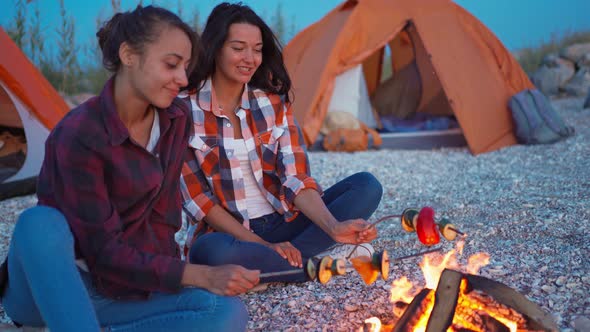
(350, 140)
(535, 120)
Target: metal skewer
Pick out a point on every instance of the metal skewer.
(280, 273)
(373, 225)
(422, 253)
(310, 270)
(456, 231)
(331, 267)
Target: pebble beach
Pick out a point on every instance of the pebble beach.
(527, 207)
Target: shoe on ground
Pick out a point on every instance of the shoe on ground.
(343, 251)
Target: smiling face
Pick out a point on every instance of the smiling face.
(159, 71)
(241, 54)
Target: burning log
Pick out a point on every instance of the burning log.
(538, 319)
(465, 302)
(445, 301)
(417, 308)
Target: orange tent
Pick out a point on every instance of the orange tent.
(28, 104)
(464, 69)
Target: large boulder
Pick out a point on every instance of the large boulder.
(575, 52)
(584, 61)
(552, 74)
(579, 84)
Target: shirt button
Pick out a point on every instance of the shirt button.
(229, 154)
(228, 125)
(204, 146)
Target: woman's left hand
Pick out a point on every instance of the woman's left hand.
(288, 252)
(354, 231)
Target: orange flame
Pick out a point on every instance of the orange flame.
(401, 290)
(422, 322)
(474, 305)
(432, 266)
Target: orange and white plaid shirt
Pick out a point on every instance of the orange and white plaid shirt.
(212, 174)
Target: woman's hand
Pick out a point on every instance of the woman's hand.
(354, 231)
(228, 280)
(288, 252)
(231, 280)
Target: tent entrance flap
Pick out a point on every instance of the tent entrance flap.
(13, 142)
(32, 143)
(413, 86)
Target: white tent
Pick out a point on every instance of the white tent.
(29, 108)
(15, 114)
(351, 95)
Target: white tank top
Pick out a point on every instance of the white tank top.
(256, 203)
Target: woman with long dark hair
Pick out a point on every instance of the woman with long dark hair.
(248, 177)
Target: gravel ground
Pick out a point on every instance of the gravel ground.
(526, 206)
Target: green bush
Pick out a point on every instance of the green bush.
(530, 58)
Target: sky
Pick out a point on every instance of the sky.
(517, 23)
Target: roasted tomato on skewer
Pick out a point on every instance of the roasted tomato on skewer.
(426, 227)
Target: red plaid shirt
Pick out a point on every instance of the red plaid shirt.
(122, 202)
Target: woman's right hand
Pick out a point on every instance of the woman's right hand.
(288, 252)
(228, 280)
(231, 280)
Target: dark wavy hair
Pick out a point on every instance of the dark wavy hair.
(271, 76)
(139, 28)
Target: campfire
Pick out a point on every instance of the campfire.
(457, 299)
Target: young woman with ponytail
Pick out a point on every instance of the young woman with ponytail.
(99, 249)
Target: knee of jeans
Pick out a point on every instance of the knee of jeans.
(235, 313)
(42, 225)
(212, 249)
(226, 313)
(372, 188)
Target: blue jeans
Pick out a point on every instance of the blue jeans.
(46, 287)
(357, 196)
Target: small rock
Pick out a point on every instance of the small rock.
(309, 325)
(350, 307)
(581, 324)
(548, 289)
(327, 299)
(561, 281)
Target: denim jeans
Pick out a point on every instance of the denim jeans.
(357, 196)
(46, 287)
